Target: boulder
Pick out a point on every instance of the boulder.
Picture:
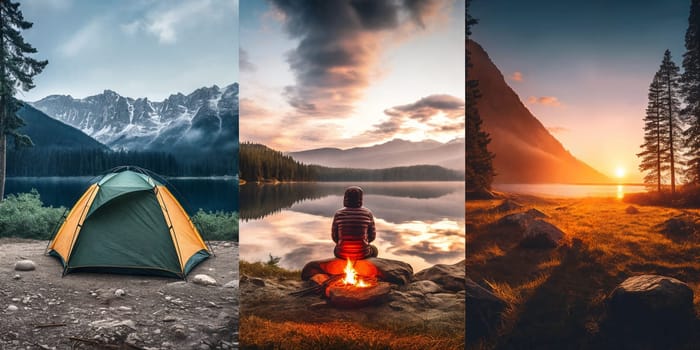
(541, 235)
(507, 205)
(484, 311)
(679, 226)
(651, 299)
(632, 210)
(523, 219)
(392, 271)
(25, 265)
(448, 277)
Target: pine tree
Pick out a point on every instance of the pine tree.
(16, 71)
(690, 89)
(479, 162)
(669, 105)
(655, 131)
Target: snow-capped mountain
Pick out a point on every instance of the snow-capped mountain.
(203, 119)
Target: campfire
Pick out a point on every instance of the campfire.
(353, 279)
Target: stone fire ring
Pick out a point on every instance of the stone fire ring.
(344, 296)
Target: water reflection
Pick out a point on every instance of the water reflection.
(258, 201)
(563, 190)
(420, 230)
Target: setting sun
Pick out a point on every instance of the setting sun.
(620, 172)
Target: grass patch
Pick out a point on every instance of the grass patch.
(259, 333)
(267, 270)
(217, 226)
(25, 216)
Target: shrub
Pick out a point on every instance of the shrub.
(217, 226)
(23, 215)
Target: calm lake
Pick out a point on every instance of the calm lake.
(193, 193)
(421, 223)
(562, 190)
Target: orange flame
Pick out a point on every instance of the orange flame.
(351, 277)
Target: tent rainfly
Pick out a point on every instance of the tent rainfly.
(128, 223)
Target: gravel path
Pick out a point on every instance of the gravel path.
(42, 310)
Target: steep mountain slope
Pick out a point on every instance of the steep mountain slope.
(206, 118)
(525, 151)
(47, 132)
(394, 153)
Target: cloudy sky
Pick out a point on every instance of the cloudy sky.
(138, 48)
(327, 73)
(584, 68)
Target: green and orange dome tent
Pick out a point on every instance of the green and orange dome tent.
(128, 222)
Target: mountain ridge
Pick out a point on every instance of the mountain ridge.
(393, 153)
(525, 151)
(205, 118)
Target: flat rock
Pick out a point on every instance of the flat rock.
(541, 235)
(484, 313)
(651, 298)
(393, 271)
(108, 323)
(204, 280)
(232, 284)
(425, 287)
(25, 265)
(352, 297)
(448, 277)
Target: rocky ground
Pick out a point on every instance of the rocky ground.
(42, 310)
(431, 306)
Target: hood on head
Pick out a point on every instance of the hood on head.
(353, 197)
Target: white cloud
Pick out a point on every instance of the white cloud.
(131, 28)
(82, 39)
(166, 25)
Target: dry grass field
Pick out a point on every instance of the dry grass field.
(556, 297)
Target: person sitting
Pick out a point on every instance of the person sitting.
(353, 228)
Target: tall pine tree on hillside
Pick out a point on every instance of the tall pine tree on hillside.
(669, 104)
(655, 131)
(16, 71)
(690, 88)
(479, 167)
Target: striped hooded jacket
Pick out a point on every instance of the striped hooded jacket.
(353, 227)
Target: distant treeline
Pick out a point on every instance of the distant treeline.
(404, 173)
(90, 162)
(259, 163)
